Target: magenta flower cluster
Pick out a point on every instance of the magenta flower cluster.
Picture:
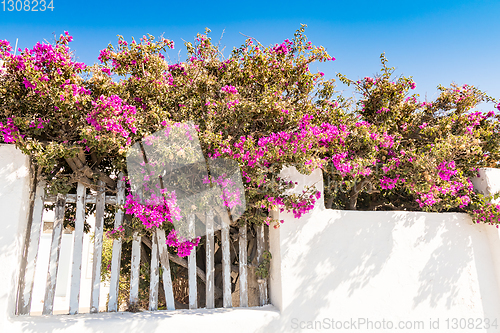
(9, 131)
(229, 89)
(283, 48)
(446, 170)
(154, 210)
(113, 115)
(389, 183)
(489, 213)
(116, 232)
(184, 246)
(298, 208)
(39, 123)
(449, 186)
(45, 56)
(4, 48)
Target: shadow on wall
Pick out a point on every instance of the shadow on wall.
(158, 321)
(446, 264)
(102, 322)
(487, 261)
(382, 265)
(334, 257)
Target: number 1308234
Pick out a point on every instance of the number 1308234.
(27, 5)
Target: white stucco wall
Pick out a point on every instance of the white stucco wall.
(329, 265)
(14, 201)
(392, 266)
(488, 181)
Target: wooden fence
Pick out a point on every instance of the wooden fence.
(159, 257)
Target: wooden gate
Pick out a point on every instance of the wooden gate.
(159, 257)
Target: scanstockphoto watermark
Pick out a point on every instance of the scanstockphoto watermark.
(361, 323)
(364, 323)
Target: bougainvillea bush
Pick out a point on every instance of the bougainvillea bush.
(261, 107)
(256, 107)
(436, 147)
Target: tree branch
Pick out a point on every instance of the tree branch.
(353, 200)
(183, 262)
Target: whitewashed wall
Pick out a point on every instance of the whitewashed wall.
(14, 206)
(392, 266)
(340, 265)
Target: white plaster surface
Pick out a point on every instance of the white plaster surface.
(245, 320)
(392, 266)
(488, 181)
(14, 201)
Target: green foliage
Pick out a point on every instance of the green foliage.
(436, 148)
(263, 268)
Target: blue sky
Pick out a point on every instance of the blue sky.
(436, 42)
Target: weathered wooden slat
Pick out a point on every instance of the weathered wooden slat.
(165, 264)
(76, 269)
(115, 275)
(260, 251)
(226, 263)
(210, 260)
(136, 263)
(55, 249)
(243, 266)
(29, 265)
(154, 278)
(97, 258)
(90, 198)
(134, 269)
(117, 250)
(192, 281)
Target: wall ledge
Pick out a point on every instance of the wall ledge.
(202, 320)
